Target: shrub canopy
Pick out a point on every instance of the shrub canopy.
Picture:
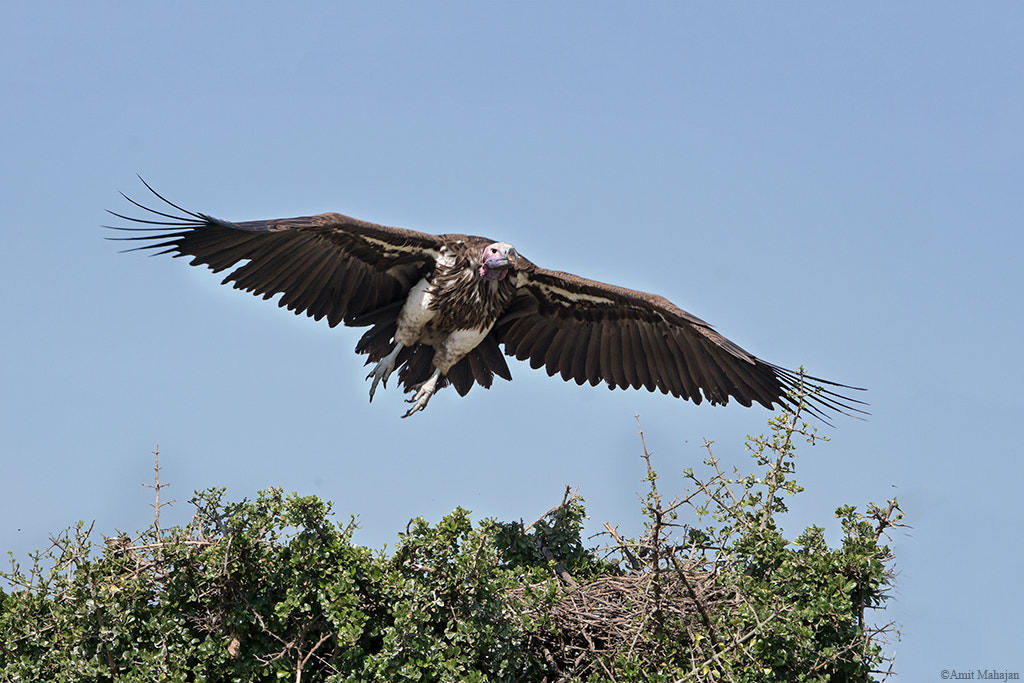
(273, 588)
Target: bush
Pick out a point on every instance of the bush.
(274, 589)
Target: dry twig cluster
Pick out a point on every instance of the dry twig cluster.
(609, 617)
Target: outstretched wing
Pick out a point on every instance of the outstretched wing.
(592, 332)
(327, 265)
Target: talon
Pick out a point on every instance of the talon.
(383, 370)
(378, 378)
(423, 394)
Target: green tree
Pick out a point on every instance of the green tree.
(274, 589)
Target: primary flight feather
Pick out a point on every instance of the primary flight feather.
(441, 307)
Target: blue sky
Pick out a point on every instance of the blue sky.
(831, 186)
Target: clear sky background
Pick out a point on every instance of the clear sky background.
(838, 187)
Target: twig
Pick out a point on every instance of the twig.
(885, 517)
(633, 562)
(698, 602)
(300, 665)
(732, 646)
(559, 568)
(156, 486)
(566, 499)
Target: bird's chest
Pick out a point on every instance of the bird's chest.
(462, 299)
(442, 305)
(473, 303)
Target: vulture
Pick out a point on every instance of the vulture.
(441, 309)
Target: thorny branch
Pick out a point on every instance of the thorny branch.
(156, 486)
(603, 619)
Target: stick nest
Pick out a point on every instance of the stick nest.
(635, 614)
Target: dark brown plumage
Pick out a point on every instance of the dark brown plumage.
(440, 307)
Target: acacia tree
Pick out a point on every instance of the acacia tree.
(274, 588)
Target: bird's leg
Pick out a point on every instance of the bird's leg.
(423, 393)
(384, 369)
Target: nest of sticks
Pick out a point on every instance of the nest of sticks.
(632, 615)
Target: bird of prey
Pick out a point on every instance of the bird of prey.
(441, 308)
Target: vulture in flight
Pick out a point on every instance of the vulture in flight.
(441, 308)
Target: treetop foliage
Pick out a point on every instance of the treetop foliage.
(274, 589)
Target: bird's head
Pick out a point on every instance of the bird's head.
(498, 258)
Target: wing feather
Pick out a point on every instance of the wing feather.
(348, 282)
(491, 355)
(687, 385)
(305, 287)
(686, 344)
(481, 373)
(461, 376)
(570, 350)
(691, 375)
(718, 386)
(641, 356)
(616, 371)
(629, 356)
(577, 362)
(660, 376)
(592, 355)
(363, 295)
(526, 334)
(535, 344)
(541, 345)
(302, 285)
(268, 264)
(561, 340)
(593, 332)
(325, 265)
(517, 331)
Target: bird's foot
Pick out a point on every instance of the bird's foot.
(423, 393)
(383, 370)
